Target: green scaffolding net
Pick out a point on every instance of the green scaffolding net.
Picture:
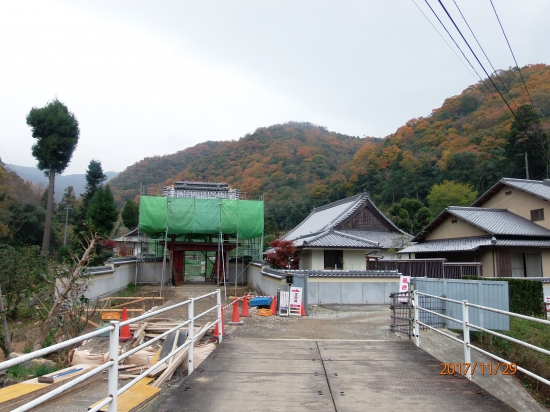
(181, 216)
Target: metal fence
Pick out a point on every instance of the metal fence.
(115, 358)
(430, 268)
(401, 313)
(493, 294)
(466, 307)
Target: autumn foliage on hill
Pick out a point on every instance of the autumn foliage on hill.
(472, 139)
(288, 164)
(467, 140)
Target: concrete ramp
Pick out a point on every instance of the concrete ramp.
(323, 375)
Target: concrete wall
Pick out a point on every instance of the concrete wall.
(116, 277)
(263, 284)
(347, 291)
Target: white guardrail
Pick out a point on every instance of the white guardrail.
(112, 364)
(466, 325)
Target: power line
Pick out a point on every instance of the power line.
(443, 38)
(485, 54)
(458, 47)
(478, 61)
(514, 57)
(452, 38)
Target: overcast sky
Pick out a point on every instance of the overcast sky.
(149, 78)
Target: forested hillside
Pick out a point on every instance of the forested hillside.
(287, 163)
(472, 138)
(469, 139)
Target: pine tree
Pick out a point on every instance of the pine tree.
(103, 212)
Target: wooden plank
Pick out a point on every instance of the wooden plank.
(135, 397)
(19, 394)
(89, 321)
(177, 360)
(129, 303)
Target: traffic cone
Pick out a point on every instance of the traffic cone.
(274, 305)
(235, 319)
(125, 330)
(303, 311)
(218, 330)
(245, 313)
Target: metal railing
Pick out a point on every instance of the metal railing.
(115, 358)
(401, 313)
(466, 325)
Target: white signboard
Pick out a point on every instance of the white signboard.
(283, 303)
(547, 301)
(295, 301)
(404, 283)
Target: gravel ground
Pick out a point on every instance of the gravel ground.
(323, 322)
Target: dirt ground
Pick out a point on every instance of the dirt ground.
(324, 322)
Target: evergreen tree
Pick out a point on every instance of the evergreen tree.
(56, 130)
(130, 215)
(94, 179)
(528, 139)
(410, 215)
(102, 211)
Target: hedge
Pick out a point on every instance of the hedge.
(526, 296)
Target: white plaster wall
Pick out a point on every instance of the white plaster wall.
(354, 259)
(317, 259)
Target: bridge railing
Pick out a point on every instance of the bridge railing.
(115, 358)
(466, 325)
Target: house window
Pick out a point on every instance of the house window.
(519, 265)
(537, 214)
(334, 259)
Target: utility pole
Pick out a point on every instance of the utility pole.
(526, 167)
(66, 222)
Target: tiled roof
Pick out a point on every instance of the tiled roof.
(492, 221)
(470, 244)
(535, 187)
(498, 221)
(385, 239)
(318, 229)
(278, 273)
(333, 238)
(324, 217)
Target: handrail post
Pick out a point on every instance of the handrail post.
(220, 326)
(191, 336)
(113, 370)
(466, 338)
(416, 318)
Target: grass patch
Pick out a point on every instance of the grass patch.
(531, 332)
(20, 372)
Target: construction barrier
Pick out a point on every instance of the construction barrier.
(125, 335)
(235, 319)
(245, 312)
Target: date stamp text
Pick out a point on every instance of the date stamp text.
(488, 368)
